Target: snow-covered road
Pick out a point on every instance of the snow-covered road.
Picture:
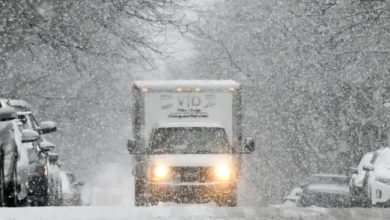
(189, 212)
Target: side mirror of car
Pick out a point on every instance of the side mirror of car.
(29, 136)
(132, 146)
(303, 185)
(47, 127)
(7, 114)
(46, 146)
(249, 145)
(368, 167)
(53, 157)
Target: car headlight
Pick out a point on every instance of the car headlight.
(383, 180)
(160, 172)
(224, 172)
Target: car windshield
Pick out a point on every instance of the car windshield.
(339, 180)
(190, 140)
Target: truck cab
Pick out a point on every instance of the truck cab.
(187, 143)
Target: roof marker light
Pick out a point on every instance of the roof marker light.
(145, 90)
(232, 89)
(179, 89)
(197, 89)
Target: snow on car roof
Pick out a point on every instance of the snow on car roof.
(189, 124)
(169, 84)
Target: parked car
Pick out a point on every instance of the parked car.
(356, 186)
(39, 183)
(13, 161)
(70, 189)
(326, 190)
(292, 199)
(377, 184)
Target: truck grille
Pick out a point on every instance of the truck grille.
(191, 174)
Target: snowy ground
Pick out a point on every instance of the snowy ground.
(188, 212)
(110, 196)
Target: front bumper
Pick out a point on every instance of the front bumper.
(200, 192)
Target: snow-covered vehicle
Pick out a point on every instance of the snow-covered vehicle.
(326, 190)
(188, 141)
(38, 168)
(378, 178)
(13, 160)
(39, 181)
(292, 199)
(356, 184)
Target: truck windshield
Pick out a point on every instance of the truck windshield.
(190, 140)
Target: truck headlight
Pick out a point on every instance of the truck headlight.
(224, 172)
(383, 180)
(161, 172)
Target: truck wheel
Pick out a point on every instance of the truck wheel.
(140, 198)
(228, 199)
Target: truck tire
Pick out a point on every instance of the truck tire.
(228, 199)
(139, 194)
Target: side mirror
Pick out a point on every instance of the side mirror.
(7, 114)
(46, 146)
(47, 127)
(249, 145)
(53, 157)
(303, 185)
(29, 136)
(368, 167)
(132, 146)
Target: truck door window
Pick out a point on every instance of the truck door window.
(190, 140)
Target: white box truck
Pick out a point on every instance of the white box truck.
(187, 141)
